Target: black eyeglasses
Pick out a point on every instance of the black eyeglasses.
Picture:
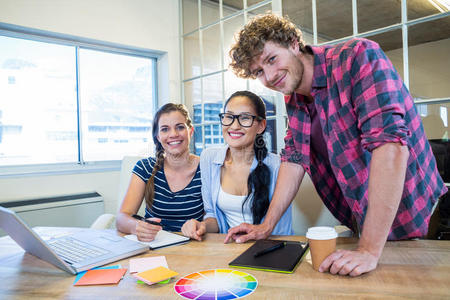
(245, 120)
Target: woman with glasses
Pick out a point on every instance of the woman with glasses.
(238, 179)
(170, 183)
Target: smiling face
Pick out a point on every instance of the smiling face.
(173, 133)
(280, 68)
(235, 135)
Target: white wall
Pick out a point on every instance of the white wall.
(429, 72)
(150, 24)
(308, 209)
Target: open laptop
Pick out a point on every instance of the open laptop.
(72, 253)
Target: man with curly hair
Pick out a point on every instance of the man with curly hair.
(353, 127)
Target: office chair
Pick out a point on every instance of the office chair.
(106, 221)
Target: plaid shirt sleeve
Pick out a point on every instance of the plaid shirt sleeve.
(290, 153)
(376, 96)
(386, 113)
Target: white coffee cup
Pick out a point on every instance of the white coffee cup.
(322, 242)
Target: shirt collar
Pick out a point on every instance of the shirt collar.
(221, 153)
(320, 72)
(219, 158)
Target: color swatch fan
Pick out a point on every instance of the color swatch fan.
(218, 284)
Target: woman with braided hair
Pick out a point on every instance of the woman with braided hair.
(169, 183)
(238, 179)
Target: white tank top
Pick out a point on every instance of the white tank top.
(231, 206)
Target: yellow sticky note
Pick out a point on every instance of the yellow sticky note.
(155, 275)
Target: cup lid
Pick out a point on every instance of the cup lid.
(321, 233)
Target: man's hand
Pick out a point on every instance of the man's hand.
(347, 262)
(245, 232)
(386, 183)
(194, 229)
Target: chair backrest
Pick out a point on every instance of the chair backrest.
(308, 209)
(128, 163)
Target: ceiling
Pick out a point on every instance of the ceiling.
(334, 19)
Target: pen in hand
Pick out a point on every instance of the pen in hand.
(138, 217)
(270, 249)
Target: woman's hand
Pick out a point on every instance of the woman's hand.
(194, 229)
(146, 232)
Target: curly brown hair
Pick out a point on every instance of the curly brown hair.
(252, 37)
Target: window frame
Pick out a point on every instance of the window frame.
(281, 116)
(404, 25)
(81, 166)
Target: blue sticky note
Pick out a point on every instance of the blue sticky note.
(81, 274)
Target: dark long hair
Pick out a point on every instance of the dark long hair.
(259, 179)
(149, 192)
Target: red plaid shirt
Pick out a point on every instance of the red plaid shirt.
(362, 104)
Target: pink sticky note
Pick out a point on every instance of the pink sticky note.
(146, 263)
(102, 276)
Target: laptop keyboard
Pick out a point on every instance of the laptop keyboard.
(73, 251)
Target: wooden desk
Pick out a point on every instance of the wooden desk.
(409, 269)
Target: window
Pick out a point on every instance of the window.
(116, 96)
(414, 34)
(207, 83)
(66, 101)
(38, 121)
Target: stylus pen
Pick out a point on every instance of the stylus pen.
(138, 217)
(270, 249)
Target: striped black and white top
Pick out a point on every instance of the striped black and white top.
(172, 208)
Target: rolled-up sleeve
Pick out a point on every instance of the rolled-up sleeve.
(290, 153)
(378, 98)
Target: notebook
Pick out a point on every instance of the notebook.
(73, 253)
(283, 259)
(163, 239)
